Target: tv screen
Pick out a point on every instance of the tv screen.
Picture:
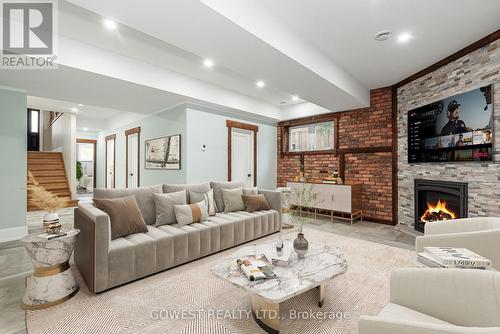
(458, 128)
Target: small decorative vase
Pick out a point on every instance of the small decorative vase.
(51, 224)
(300, 245)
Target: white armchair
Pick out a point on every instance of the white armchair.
(439, 301)
(480, 235)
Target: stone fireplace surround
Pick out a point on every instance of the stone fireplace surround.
(478, 68)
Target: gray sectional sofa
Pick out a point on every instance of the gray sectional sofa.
(106, 263)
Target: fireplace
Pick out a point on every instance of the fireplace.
(439, 200)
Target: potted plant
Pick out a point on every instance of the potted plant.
(46, 201)
(79, 172)
(303, 197)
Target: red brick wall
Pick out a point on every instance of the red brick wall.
(360, 128)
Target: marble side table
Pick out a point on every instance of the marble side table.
(52, 282)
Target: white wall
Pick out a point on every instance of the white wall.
(197, 127)
(63, 139)
(206, 128)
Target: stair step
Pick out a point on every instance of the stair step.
(32, 161)
(46, 180)
(44, 173)
(44, 155)
(54, 186)
(46, 167)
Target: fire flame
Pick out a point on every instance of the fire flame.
(440, 209)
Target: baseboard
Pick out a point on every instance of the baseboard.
(13, 233)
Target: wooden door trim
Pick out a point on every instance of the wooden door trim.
(255, 129)
(94, 142)
(110, 137)
(129, 132)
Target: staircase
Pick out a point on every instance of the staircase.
(48, 169)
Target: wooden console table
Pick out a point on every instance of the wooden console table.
(334, 198)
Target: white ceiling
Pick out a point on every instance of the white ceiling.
(344, 30)
(320, 50)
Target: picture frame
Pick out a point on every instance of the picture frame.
(163, 153)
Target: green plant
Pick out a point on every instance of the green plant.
(79, 170)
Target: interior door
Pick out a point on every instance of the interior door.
(133, 160)
(242, 156)
(110, 163)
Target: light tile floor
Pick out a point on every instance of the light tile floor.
(15, 264)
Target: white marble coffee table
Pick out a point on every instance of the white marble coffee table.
(53, 281)
(320, 264)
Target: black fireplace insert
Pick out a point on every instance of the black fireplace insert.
(439, 200)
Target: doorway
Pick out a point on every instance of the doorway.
(242, 153)
(132, 167)
(33, 130)
(109, 181)
(85, 166)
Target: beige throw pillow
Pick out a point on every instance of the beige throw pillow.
(208, 197)
(164, 205)
(190, 213)
(232, 200)
(124, 215)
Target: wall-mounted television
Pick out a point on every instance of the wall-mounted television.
(458, 128)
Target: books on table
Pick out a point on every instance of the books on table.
(256, 267)
(451, 257)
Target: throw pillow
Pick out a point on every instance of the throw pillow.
(232, 200)
(218, 186)
(196, 187)
(250, 191)
(190, 213)
(124, 215)
(255, 202)
(208, 197)
(164, 204)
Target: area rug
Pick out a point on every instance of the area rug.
(189, 299)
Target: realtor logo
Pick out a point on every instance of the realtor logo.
(28, 34)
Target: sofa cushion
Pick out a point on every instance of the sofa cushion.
(164, 205)
(395, 311)
(196, 187)
(143, 196)
(255, 202)
(218, 186)
(233, 200)
(190, 213)
(208, 197)
(124, 215)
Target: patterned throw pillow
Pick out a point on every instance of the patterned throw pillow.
(208, 197)
(190, 213)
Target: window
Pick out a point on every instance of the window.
(34, 121)
(311, 137)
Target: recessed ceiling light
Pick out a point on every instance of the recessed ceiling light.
(85, 129)
(260, 84)
(383, 35)
(110, 24)
(404, 37)
(208, 63)
(74, 109)
(80, 105)
(295, 98)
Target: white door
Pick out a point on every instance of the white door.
(132, 161)
(242, 156)
(110, 163)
